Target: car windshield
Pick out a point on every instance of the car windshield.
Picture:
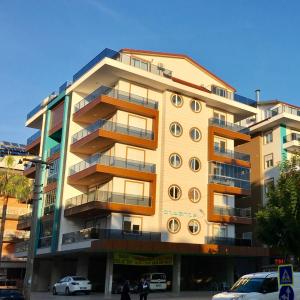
(78, 278)
(158, 276)
(248, 285)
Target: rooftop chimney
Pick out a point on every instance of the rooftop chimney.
(257, 95)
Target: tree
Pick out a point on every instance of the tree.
(12, 184)
(278, 223)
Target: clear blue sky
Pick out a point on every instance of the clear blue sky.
(248, 43)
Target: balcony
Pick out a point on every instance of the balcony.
(106, 202)
(230, 181)
(24, 222)
(13, 213)
(33, 143)
(104, 133)
(106, 101)
(54, 151)
(21, 248)
(100, 168)
(233, 211)
(230, 156)
(109, 234)
(229, 126)
(34, 111)
(291, 142)
(49, 209)
(229, 241)
(13, 236)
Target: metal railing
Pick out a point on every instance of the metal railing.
(228, 125)
(52, 178)
(233, 211)
(14, 235)
(282, 109)
(23, 220)
(45, 241)
(292, 137)
(232, 154)
(34, 111)
(21, 246)
(34, 137)
(108, 234)
(114, 127)
(54, 150)
(230, 181)
(108, 197)
(49, 209)
(115, 93)
(228, 241)
(112, 161)
(245, 100)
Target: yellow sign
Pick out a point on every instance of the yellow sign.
(138, 260)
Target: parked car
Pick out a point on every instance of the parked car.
(11, 294)
(157, 281)
(71, 285)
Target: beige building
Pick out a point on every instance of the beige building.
(144, 162)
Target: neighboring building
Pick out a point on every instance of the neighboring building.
(142, 146)
(12, 267)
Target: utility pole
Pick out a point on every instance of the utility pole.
(39, 164)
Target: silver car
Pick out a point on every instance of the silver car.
(71, 285)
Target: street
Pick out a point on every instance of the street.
(157, 296)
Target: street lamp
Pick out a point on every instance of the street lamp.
(39, 163)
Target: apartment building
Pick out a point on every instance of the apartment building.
(144, 172)
(12, 267)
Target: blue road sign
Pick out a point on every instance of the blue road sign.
(286, 293)
(286, 275)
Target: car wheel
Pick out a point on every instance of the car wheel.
(54, 292)
(67, 291)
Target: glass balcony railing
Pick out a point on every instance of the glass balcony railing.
(114, 93)
(21, 247)
(34, 137)
(49, 209)
(114, 127)
(291, 137)
(245, 100)
(232, 154)
(228, 241)
(45, 241)
(108, 234)
(54, 150)
(33, 111)
(112, 161)
(228, 125)
(108, 197)
(229, 181)
(24, 219)
(233, 211)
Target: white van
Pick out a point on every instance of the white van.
(258, 286)
(157, 281)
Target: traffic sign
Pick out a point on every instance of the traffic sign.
(286, 293)
(285, 275)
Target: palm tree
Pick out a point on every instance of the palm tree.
(12, 184)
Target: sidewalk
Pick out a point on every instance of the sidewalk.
(157, 296)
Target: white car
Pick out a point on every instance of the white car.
(71, 285)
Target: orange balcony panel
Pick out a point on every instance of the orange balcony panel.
(227, 133)
(97, 174)
(105, 106)
(212, 216)
(102, 138)
(34, 147)
(30, 172)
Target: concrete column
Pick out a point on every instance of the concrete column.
(82, 266)
(176, 274)
(56, 270)
(108, 276)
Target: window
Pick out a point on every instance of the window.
(175, 160)
(270, 285)
(176, 100)
(194, 226)
(194, 195)
(220, 231)
(195, 134)
(221, 92)
(269, 163)
(131, 224)
(139, 63)
(220, 116)
(173, 225)
(176, 129)
(268, 137)
(195, 164)
(196, 106)
(220, 145)
(50, 198)
(174, 192)
(268, 184)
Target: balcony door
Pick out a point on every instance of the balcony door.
(220, 145)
